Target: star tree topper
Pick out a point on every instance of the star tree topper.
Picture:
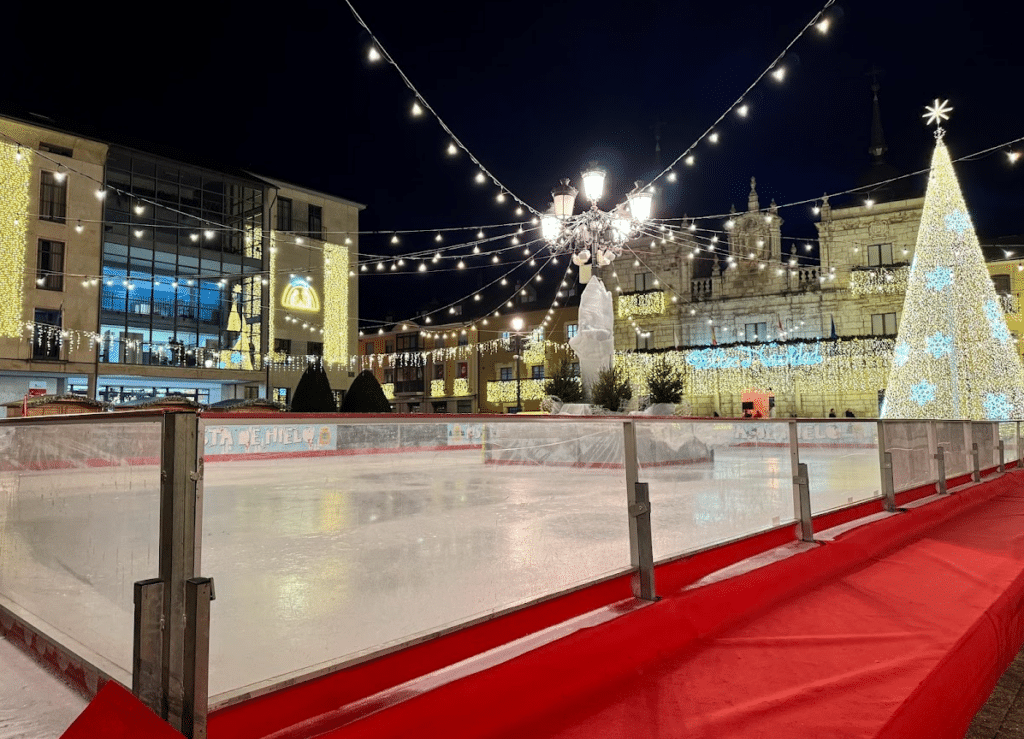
(937, 113)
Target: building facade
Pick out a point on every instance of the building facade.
(129, 274)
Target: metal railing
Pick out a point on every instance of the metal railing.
(684, 485)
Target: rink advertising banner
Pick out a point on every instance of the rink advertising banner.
(813, 434)
(276, 438)
(465, 434)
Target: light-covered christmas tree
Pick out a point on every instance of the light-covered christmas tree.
(954, 356)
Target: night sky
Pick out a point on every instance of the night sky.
(535, 90)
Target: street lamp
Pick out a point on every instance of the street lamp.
(593, 233)
(517, 328)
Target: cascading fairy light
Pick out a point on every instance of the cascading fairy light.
(336, 303)
(954, 356)
(15, 176)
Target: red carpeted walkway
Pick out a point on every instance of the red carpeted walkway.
(898, 628)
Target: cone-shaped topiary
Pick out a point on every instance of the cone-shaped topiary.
(611, 389)
(365, 396)
(313, 393)
(564, 385)
(665, 383)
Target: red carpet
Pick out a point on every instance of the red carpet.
(896, 629)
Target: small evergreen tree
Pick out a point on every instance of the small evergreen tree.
(365, 396)
(564, 385)
(611, 389)
(665, 382)
(313, 393)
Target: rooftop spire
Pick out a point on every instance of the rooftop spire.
(878, 147)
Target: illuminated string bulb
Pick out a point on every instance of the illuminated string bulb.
(713, 137)
(436, 238)
(373, 55)
(500, 197)
(671, 175)
(822, 25)
(743, 110)
(480, 234)
(423, 267)
(779, 73)
(1013, 156)
(416, 109)
(452, 149)
(690, 160)
(480, 177)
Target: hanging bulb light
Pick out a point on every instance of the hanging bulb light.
(416, 109)
(452, 149)
(779, 73)
(743, 110)
(713, 137)
(373, 55)
(480, 177)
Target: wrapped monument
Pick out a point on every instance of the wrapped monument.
(594, 342)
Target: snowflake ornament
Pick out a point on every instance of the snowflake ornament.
(923, 392)
(937, 112)
(958, 221)
(997, 406)
(939, 279)
(901, 355)
(994, 315)
(938, 344)
(991, 309)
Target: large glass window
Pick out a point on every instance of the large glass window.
(53, 196)
(884, 324)
(644, 281)
(284, 214)
(879, 254)
(316, 222)
(756, 332)
(50, 265)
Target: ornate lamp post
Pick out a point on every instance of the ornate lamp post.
(593, 234)
(517, 328)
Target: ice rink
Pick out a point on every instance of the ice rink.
(318, 560)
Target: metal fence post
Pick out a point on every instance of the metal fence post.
(940, 461)
(885, 466)
(1002, 456)
(641, 547)
(933, 442)
(179, 544)
(148, 647)
(976, 473)
(801, 487)
(198, 594)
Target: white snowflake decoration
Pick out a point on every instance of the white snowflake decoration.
(938, 344)
(997, 406)
(901, 355)
(958, 221)
(923, 392)
(939, 278)
(995, 321)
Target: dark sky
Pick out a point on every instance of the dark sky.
(535, 90)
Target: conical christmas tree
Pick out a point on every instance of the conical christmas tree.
(954, 356)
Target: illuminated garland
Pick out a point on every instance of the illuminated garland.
(15, 176)
(879, 281)
(437, 388)
(460, 386)
(822, 366)
(336, 281)
(389, 390)
(641, 304)
(504, 391)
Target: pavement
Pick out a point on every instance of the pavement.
(1002, 716)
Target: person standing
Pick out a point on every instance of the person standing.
(831, 412)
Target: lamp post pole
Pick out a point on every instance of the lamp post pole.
(517, 327)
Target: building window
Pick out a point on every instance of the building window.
(464, 406)
(884, 324)
(463, 339)
(368, 348)
(284, 214)
(1001, 283)
(46, 338)
(756, 332)
(316, 222)
(505, 373)
(537, 372)
(463, 369)
(407, 342)
(441, 406)
(571, 330)
(389, 347)
(53, 197)
(438, 371)
(644, 281)
(643, 341)
(439, 342)
(50, 265)
(283, 346)
(389, 376)
(879, 254)
(315, 348)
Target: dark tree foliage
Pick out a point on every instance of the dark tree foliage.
(611, 389)
(365, 396)
(564, 385)
(665, 383)
(313, 393)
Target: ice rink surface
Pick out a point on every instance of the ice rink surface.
(319, 560)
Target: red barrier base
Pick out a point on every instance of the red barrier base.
(117, 714)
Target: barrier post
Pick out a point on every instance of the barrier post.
(976, 473)
(940, 460)
(801, 488)
(148, 649)
(198, 594)
(885, 460)
(641, 547)
(1002, 456)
